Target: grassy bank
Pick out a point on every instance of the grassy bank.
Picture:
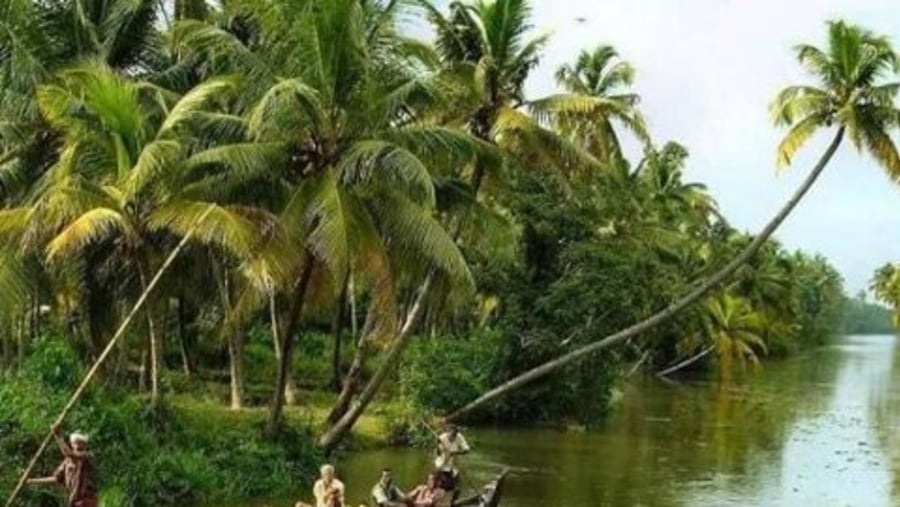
(189, 449)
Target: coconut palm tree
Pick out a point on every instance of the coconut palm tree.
(38, 39)
(851, 96)
(338, 141)
(486, 51)
(730, 327)
(122, 181)
(597, 74)
(886, 287)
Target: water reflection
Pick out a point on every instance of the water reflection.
(818, 430)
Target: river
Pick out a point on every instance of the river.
(817, 429)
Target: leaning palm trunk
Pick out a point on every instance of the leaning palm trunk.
(337, 431)
(667, 313)
(687, 362)
(103, 355)
(286, 335)
(351, 379)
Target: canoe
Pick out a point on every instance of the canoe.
(489, 495)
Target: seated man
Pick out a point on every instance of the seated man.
(328, 490)
(428, 494)
(386, 494)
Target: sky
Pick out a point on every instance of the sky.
(707, 71)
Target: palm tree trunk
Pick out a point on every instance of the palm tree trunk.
(667, 313)
(286, 333)
(186, 364)
(290, 393)
(337, 326)
(351, 379)
(337, 431)
(151, 330)
(236, 354)
(352, 294)
(687, 362)
(235, 341)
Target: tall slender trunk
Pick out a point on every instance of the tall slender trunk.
(337, 431)
(354, 374)
(286, 333)
(186, 364)
(337, 327)
(20, 351)
(151, 331)
(352, 294)
(236, 353)
(235, 341)
(670, 311)
(290, 393)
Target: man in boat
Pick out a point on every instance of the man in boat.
(386, 494)
(428, 494)
(451, 443)
(76, 472)
(328, 490)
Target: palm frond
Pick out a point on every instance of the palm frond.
(797, 137)
(375, 159)
(93, 226)
(194, 102)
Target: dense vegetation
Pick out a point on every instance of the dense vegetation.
(862, 316)
(343, 191)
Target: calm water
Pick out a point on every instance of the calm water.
(817, 430)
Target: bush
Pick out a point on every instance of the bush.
(441, 374)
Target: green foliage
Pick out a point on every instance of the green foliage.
(441, 373)
(161, 456)
(866, 317)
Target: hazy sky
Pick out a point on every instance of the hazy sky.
(707, 70)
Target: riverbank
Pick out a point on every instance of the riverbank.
(187, 450)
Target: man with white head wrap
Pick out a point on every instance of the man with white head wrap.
(76, 472)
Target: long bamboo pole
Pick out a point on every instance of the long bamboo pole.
(109, 348)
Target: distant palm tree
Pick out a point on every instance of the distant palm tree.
(886, 287)
(852, 96)
(730, 327)
(597, 74)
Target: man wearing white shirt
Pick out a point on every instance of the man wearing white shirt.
(328, 490)
(451, 443)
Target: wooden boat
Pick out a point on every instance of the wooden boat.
(489, 496)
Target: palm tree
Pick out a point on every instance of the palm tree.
(38, 39)
(886, 287)
(730, 326)
(852, 97)
(597, 74)
(122, 181)
(486, 52)
(338, 142)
